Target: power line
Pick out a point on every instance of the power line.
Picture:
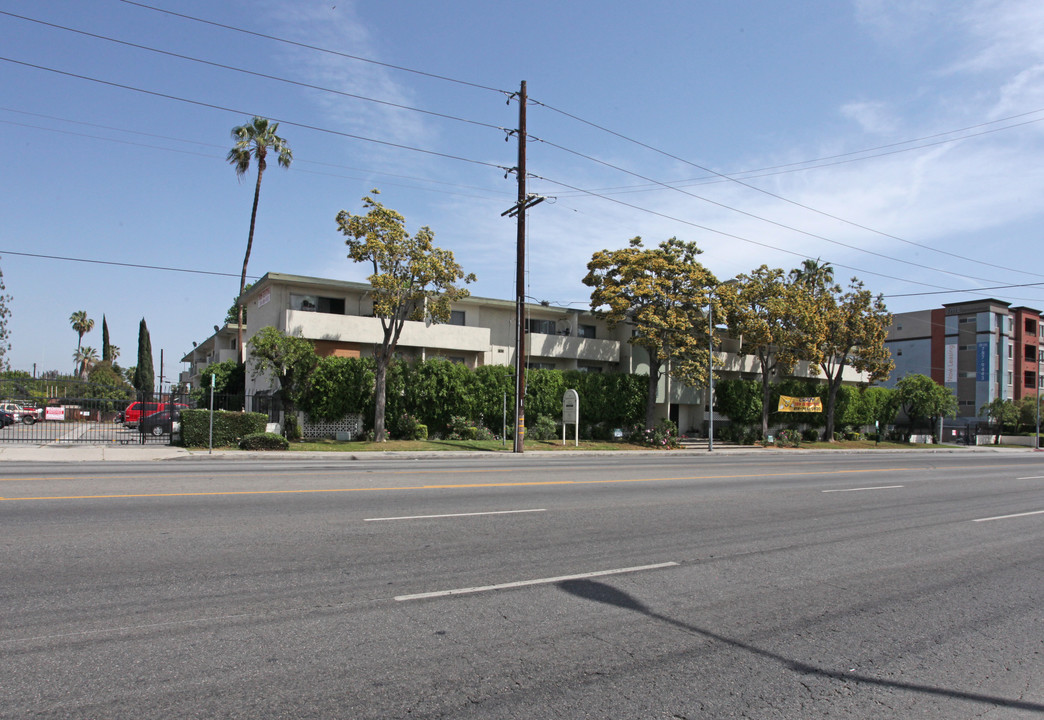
(256, 74)
(731, 178)
(941, 289)
(297, 160)
(764, 219)
(123, 264)
(728, 234)
(316, 48)
(223, 108)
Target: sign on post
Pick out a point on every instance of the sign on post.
(571, 414)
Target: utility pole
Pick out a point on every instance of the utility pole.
(519, 212)
(520, 278)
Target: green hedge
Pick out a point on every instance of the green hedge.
(229, 427)
(436, 391)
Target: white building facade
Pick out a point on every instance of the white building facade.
(337, 316)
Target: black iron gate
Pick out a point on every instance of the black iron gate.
(71, 411)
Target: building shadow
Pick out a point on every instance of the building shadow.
(608, 595)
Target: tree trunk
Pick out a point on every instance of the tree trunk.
(833, 386)
(766, 392)
(650, 398)
(379, 392)
(246, 259)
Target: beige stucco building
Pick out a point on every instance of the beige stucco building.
(337, 316)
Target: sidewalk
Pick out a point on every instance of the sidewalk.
(76, 452)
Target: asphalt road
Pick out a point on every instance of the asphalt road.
(770, 586)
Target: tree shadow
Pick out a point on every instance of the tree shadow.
(600, 592)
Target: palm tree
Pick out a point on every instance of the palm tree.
(86, 358)
(81, 324)
(815, 274)
(114, 352)
(254, 141)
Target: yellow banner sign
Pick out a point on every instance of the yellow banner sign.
(796, 404)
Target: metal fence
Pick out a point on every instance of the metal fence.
(71, 411)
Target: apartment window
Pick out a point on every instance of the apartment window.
(589, 368)
(1029, 379)
(544, 327)
(1011, 379)
(586, 331)
(1029, 354)
(317, 303)
(1010, 352)
(456, 317)
(541, 366)
(1031, 326)
(966, 320)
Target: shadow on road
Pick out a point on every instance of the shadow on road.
(600, 592)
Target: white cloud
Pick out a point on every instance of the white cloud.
(873, 117)
(337, 28)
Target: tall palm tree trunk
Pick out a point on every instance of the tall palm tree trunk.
(246, 260)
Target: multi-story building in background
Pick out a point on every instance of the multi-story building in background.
(980, 349)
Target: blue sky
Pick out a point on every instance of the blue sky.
(900, 141)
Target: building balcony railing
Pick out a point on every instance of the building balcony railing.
(368, 331)
(573, 348)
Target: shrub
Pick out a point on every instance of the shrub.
(664, 435)
(264, 441)
(229, 427)
(408, 427)
(788, 438)
(810, 435)
(751, 436)
(484, 433)
(543, 429)
(460, 428)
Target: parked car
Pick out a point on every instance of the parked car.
(133, 414)
(163, 421)
(22, 413)
(6, 418)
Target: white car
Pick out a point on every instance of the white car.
(22, 414)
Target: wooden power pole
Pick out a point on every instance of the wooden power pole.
(525, 202)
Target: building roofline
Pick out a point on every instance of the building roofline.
(983, 301)
(317, 282)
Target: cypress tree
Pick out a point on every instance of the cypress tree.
(144, 376)
(106, 351)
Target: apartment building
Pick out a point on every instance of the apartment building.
(337, 316)
(980, 349)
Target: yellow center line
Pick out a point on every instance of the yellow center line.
(456, 486)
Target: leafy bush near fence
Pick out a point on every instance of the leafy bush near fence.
(264, 441)
(434, 392)
(229, 427)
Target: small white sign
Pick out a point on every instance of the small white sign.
(570, 406)
(571, 414)
(54, 413)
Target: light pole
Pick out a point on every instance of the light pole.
(710, 372)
